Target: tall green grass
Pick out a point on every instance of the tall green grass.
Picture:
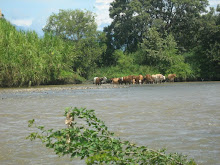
(26, 59)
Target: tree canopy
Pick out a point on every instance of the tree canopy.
(72, 24)
(79, 29)
(131, 19)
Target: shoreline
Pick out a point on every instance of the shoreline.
(60, 87)
(43, 88)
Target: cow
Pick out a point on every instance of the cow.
(129, 79)
(154, 78)
(138, 79)
(98, 80)
(148, 79)
(171, 77)
(126, 79)
(141, 79)
(157, 78)
(123, 80)
(115, 80)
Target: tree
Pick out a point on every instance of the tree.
(79, 29)
(129, 23)
(72, 24)
(88, 54)
(205, 56)
(161, 51)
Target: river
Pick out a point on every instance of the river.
(181, 117)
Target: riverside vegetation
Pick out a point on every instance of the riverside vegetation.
(89, 138)
(145, 37)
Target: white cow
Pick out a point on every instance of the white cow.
(158, 78)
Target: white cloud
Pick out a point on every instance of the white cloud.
(102, 11)
(22, 22)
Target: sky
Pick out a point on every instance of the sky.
(33, 14)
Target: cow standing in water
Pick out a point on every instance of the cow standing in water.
(126, 80)
(98, 80)
(138, 79)
(158, 78)
(148, 79)
(171, 77)
(116, 80)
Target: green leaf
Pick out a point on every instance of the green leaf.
(31, 122)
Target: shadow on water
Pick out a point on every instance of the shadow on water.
(182, 117)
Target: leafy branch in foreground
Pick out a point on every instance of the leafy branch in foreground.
(87, 137)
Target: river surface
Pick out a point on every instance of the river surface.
(181, 117)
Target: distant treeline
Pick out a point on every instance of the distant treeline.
(145, 37)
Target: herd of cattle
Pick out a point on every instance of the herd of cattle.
(140, 79)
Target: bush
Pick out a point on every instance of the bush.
(88, 137)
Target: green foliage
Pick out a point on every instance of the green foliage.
(27, 59)
(88, 53)
(72, 25)
(161, 52)
(131, 19)
(80, 28)
(204, 58)
(120, 71)
(123, 61)
(88, 137)
(166, 30)
(182, 70)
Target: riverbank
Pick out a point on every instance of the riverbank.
(60, 87)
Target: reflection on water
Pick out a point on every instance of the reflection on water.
(182, 117)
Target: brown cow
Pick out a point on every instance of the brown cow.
(138, 79)
(130, 79)
(171, 77)
(98, 80)
(115, 80)
(141, 79)
(127, 79)
(148, 79)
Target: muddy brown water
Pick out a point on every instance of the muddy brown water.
(181, 117)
